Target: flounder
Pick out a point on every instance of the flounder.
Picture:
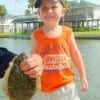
(18, 86)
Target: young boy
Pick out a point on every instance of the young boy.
(56, 45)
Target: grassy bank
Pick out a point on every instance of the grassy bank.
(85, 33)
(13, 34)
(97, 33)
(6, 33)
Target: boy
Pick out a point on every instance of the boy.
(57, 47)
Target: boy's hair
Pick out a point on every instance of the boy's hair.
(63, 2)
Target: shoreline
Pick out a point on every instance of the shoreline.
(16, 36)
(95, 37)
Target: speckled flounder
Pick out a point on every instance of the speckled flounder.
(18, 86)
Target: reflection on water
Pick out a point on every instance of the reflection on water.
(90, 52)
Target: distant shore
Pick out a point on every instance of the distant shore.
(78, 35)
(16, 36)
(87, 36)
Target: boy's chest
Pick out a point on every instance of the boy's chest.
(54, 46)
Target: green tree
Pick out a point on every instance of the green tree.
(31, 4)
(27, 12)
(3, 12)
(66, 5)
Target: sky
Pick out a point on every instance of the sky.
(18, 7)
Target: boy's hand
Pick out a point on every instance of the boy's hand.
(84, 84)
(32, 66)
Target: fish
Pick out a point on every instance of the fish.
(17, 85)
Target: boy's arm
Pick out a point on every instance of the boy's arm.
(78, 61)
(33, 65)
(33, 48)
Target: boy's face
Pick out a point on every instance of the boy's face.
(51, 12)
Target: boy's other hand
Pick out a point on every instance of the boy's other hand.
(84, 84)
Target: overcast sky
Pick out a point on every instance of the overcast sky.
(18, 7)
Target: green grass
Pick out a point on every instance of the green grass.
(10, 34)
(88, 33)
(5, 33)
(96, 32)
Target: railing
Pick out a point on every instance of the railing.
(24, 17)
(77, 17)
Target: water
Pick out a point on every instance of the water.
(90, 52)
(16, 45)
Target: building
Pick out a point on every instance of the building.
(7, 25)
(83, 14)
(26, 23)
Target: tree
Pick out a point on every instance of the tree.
(31, 4)
(66, 5)
(27, 12)
(3, 12)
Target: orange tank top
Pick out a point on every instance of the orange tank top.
(56, 58)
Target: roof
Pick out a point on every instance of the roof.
(26, 19)
(82, 3)
(8, 16)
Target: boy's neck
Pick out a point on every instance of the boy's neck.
(52, 31)
(51, 27)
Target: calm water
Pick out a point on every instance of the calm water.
(90, 50)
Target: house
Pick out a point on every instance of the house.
(7, 25)
(83, 14)
(26, 23)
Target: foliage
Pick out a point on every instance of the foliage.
(31, 4)
(86, 29)
(66, 4)
(27, 12)
(3, 12)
